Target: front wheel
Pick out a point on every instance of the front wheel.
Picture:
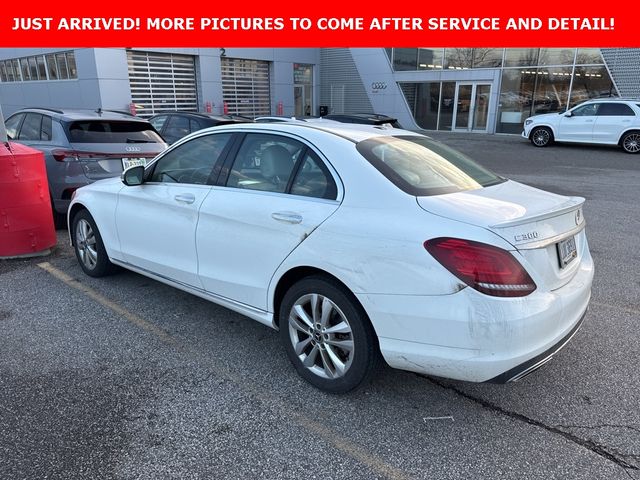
(328, 336)
(541, 136)
(631, 142)
(89, 247)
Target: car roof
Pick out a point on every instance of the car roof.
(612, 99)
(353, 132)
(83, 114)
(206, 116)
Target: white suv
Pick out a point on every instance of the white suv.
(603, 121)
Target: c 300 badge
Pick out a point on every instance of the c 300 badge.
(526, 236)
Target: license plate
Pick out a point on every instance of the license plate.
(133, 162)
(567, 251)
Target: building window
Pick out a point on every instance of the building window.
(430, 58)
(591, 82)
(405, 59)
(53, 66)
(521, 57)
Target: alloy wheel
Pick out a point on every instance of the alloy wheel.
(321, 336)
(86, 244)
(631, 143)
(541, 137)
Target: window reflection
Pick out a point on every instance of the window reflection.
(556, 56)
(591, 82)
(430, 58)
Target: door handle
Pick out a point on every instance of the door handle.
(287, 217)
(185, 198)
(588, 121)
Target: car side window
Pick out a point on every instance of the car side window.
(191, 162)
(12, 125)
(158, 121)
(265, 162)
(313, 179)
(31, 127)
(194, 125)
(585, 110)
(177, 127)
(615, 109)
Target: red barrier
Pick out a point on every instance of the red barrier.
(26, 223)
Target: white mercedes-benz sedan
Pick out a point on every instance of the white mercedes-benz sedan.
(359, 243)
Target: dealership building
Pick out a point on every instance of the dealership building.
(486, 90)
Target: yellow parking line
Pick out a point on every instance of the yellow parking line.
(102, 300)
(349, 448)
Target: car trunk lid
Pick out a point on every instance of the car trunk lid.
(545, 228)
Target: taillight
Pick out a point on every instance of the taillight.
(488, 269)
(64, 155)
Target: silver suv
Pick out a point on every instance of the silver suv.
(82, 146)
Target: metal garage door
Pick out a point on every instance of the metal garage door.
(162, 82)
(245, 86)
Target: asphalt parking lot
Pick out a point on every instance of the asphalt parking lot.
(124, 377)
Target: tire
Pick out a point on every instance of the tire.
(88, 245)
(630, 142)
(541, 136)
(311, 345)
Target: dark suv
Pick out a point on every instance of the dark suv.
(175, 125)
(82, 146)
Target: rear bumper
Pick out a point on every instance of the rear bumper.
(530, 366)
(473, 337)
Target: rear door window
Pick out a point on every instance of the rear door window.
(265, 162)
(615, 110)
(177, 127)
(12, 125)
(112, 131)
(31, 127)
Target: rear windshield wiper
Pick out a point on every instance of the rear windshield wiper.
(139, 140)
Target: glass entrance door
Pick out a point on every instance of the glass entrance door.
(472, 107)
(302, 100)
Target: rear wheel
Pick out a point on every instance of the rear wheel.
(328, 336)
(631, 142)
(541, 136)
(89, 247)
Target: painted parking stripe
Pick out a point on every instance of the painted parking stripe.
(325, 433)
(104, 301)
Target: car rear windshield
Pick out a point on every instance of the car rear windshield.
(112, 131)
(422, 167)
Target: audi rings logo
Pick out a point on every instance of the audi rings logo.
(378, 85)
(133, 149)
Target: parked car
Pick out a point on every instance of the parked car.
(357, 243)
(82, 146)
(175, 125)
(600, 121)
(364, 118)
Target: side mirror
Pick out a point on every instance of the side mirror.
(568, 114)
(133, 176)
